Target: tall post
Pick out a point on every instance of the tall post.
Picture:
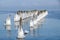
(20, 29)
(20, 26)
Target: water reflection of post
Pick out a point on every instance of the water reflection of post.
(20, 39)
(33, 31)
(8, 34)
(36, 30)
(16, 24)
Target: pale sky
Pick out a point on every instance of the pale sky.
(25, 4)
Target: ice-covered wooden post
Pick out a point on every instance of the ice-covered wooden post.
(20, 30)
(8, 23)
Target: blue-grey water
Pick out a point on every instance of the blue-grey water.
(49, 30)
